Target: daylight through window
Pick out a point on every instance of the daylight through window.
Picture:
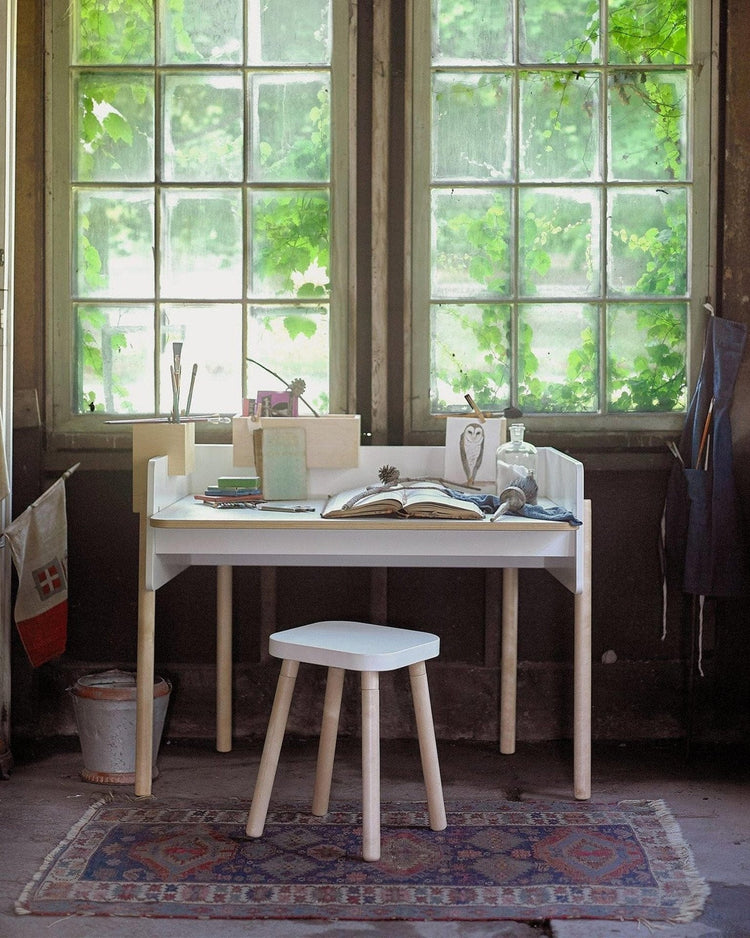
(199, 194)
(556, 259)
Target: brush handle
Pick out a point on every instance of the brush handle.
(514, 496)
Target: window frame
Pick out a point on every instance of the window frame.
(632, 429)
(67, 429)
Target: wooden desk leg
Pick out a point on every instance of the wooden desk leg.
(582, 671)
(509, 662)
(224, 658)
(144, 703)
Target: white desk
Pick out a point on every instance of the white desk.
(177, 532)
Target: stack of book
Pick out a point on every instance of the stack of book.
(232, 489)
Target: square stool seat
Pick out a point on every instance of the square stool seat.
(339, 646)
(354, 646)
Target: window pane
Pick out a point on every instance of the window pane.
(289, 32)
(201, 243)
(211, 336)
(294, 342)
(292, 120)
(471, 124)
(470, 353)
(551, 31)
(197, 31)
(115, 140)
(558, 358)
(471, 235)
(112, 33)
(203, 127)
(648, 242)
(559, 242)
(479, 31)
(559, 125)
(648, 125)
(113, 248)
(648, 33)
(647, 348)
(290, 244)
(114, 349)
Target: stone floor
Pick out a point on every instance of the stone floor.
(708, 794)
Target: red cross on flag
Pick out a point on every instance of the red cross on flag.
(38, 541)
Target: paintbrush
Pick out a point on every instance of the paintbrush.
(704, 436)
(193, 373)
(176, 372)
(514, 497)
(470, 401)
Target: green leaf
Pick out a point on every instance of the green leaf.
(299, 325)
(118, 128)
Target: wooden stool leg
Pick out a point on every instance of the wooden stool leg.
(370, 765)
(269, 760)
(420, 692)
(327, 746)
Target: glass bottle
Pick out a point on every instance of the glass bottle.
(515, 458)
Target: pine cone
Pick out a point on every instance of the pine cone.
(388, 475)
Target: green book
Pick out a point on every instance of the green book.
(238, 482)
(281, 461)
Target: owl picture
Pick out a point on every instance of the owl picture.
(471, 449)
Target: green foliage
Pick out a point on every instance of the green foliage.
(292, 229)
(641, 33)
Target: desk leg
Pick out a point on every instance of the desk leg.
(144, 714)
(582, 671)
(509, 662)
(224, 658)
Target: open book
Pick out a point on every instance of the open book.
(412, 500)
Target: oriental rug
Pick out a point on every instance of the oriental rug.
(517, 861)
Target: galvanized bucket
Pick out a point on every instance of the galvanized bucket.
(104, 706)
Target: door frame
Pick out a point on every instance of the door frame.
(8, 21)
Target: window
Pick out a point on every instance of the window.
(199, 177)
(560, 211)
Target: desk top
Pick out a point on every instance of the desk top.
(188, 512)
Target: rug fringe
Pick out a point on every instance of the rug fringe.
(700, 890)
(56, 851)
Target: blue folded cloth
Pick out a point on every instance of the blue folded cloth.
(490, 503)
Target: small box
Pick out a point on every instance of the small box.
(332, 440)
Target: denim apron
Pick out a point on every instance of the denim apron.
(703, 541)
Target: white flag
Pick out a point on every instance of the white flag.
(38, 541)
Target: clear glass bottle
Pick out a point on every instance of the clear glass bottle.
(515, 458)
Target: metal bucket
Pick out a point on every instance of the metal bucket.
(105, 706)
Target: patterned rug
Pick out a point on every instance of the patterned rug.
(510, 861)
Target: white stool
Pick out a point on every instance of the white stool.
(354, 646)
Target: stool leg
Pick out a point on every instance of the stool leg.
(269, 760)
(420, 693)
(370, 765)
(327, 746)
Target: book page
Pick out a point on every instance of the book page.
(377, 503)
(418, 500)
(424, 502)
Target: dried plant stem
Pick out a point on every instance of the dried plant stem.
(285, 383)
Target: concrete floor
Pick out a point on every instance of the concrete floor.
(709, 795)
